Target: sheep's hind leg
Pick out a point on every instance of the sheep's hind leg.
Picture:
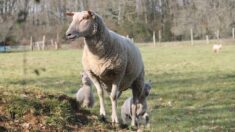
(137, 90)
(113, 98)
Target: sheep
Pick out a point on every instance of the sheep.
(141, 107)
(216, 48)
(84, 95)
(112, 61)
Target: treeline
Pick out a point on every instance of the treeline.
(21, 19)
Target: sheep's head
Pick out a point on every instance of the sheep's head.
(82, 25)
(85, 79)
(147, 88)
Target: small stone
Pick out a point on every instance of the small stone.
(26, 125)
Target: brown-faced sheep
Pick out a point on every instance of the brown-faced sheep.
(84, 95)
(112, 61)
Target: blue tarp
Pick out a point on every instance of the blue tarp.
(2, 48)
(14, 48)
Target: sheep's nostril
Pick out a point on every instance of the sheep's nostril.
(68, 34)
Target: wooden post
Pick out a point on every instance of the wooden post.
(217, 34)
(43, 42)
(192, 36)
(233, 33)
(52, 43)
(132, 39)
(38, 45)
(207, 39)
(154, 39)
(159, 36)
(56, 45)
(57, 41)
(31, 43)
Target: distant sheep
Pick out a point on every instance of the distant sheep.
(141, 107)
(217, 47)
(112, 61)
(84, 95)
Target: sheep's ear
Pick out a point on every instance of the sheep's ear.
(91, 14)
(69, 13)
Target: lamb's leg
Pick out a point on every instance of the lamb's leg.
(146, 119)
(124, 120)
(113, 98)
(100, 93)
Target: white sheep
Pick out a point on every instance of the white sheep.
(84, 95)
(141, 107)
(112, 61)
(217, 47)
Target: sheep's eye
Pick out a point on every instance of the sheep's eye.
(86, 17)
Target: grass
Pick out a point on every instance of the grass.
(193, 88)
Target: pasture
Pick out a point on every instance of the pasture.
(193, 88)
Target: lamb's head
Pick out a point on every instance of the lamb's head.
(82, 25)
(220, 46)
(147, 88)
(85, 79)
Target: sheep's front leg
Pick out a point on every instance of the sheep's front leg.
(113, 98)
(100, 93)
(133, 112)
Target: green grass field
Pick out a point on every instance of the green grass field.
(193, 88)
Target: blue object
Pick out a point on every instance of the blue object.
(3, 49)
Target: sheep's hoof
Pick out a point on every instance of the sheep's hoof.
(123, 126)
(115, 125)
(134, 128)
(102, 118)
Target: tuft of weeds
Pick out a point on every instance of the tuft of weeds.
(49, 111)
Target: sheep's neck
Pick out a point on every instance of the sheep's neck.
(99, 44)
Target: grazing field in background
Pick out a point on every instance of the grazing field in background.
(193, 88)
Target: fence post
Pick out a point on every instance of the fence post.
(159, 36)
(207, 39)
(31, 43)
(233, 33)
(43, 42)
(154, 39)
(132, 39)
(57, 41)
(191, 36)
(56, 45)
(217, 34)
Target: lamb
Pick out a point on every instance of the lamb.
(84, 95)
(112, 61)
(217, 47)
(141, 107)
